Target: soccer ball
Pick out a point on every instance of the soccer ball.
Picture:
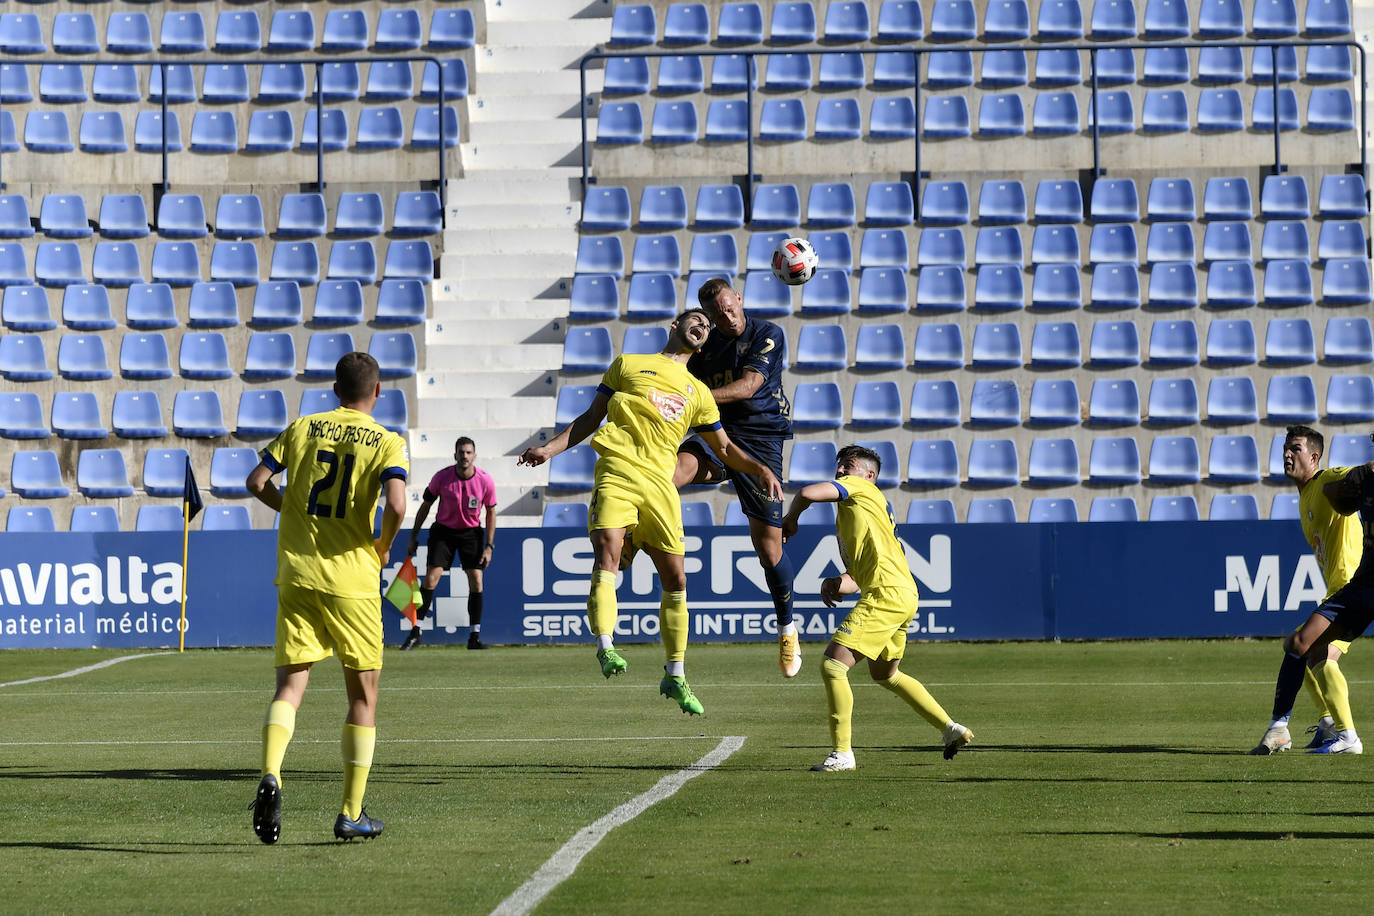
(794, 261)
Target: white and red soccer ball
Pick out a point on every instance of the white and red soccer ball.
(794, 261)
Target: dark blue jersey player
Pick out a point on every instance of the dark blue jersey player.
(741, 362)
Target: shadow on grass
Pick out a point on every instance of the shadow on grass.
(160, 774)
(1247, 835)
(150, 849)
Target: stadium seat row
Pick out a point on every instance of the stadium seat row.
(957, 20)
(999, 115)
(1054, 344)
(1052, 461)
(237, 216)
(237, 31)
(151, 307)
(103, 519)
(1057, 345)
(1216, 65)
(1223, 507)
(217, 131)
(202, 356)
(178, 263)
(138, 415)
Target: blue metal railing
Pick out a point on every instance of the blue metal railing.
(316, 62)
(1092, 50)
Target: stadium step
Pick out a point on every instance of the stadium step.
(506, 156)
(540, 108)
(526, 59)
(520, 188)
(524, 86)
(448, 383)
(523, 216)
(537, 357)
(488, 288)
(485, 413)
(547, 30)
(525, 10)
(563, 131)
(504, 264)
(495, 331)
(478, 310)
(500, 241)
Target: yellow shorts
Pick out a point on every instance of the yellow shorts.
(626, 497)
(1342, 644)
(311, 625)
(876, 628)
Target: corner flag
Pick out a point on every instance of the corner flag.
(404, 593)
(190, 508)
(190, 497)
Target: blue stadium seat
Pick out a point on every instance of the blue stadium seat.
(179, 81)
(102, 132)
(1114, 461)
(47, 132)
(817, 406)
(276, 304)
(1165, 66)
(269, 356)
(1001, 115)
(846, 22)
(239, 216)
(1006, 20)
(792, 23)
(940, 288)
(826, 293)
(584, 350)
(240, 31)
(996, 345)
(997, 245)
(888, 248)
(380, 128)
(1233, 459)
(144, 357)
(1053, 462)
(1058, 202)
(673, 122)
(229, 469)
(159, 518)
(595, 297)
(564, 515)
(895, 70)
(662, 207)
(14, 85)
(1288, 283)
(1054, 402)
(714, 253)
(945, 203)
(234, 262)
(14, 269)
(9, 137)
(935, 404)
(658, 254)
(767, 296)
(75, 33)
(1118, 113)
(931, 512)
(953, 20)
(932, 463)
(625, 76)
(1350, 399)
(21, 33)
(21, 416)
(344, 30)
(726, 121)
(1327, 18)
(1291, 399)
(175, 263)
(936, 247)
(37, 475)
(213, 305)
(938, 346)
(1220, 110)
(1055, 345)
(991, 510)
(339, 303)
(226, 518)
(1165, 111)
(1231, 284)
(91, 519)
(623, 123)
(1284, 197)
(950, 69)
(1001, 203)
(1231, 343)
(810, 462)
(879, 346)
(294, 30)
(642, 341)
(1330, 108)
(776, 206)
(1114, 343)
(782, 119)
(101, 474)
(841, 71)
(1220, 65)
(1167, 19)
(397, 30)
(1173, 285)
(204, 357)
(1173, 343)
(58, 264)
(633, 24)
(182, 33)
(338, 82)
(1348, 341)
(1274, 19)
(1221, 19)
(889, 204)
(1113, 508)
(25, 308)
(1231, 400)
(1284, 506)
(81, 357)
(1285, 239)
(719, 207)
(993, 463)
(1226, 240)
(148, 130)
(1342, 197)
(697, 514)
(651, 295)
(605, 209)
(821, 347)
(26, 519)
(222, 84)
(15, 222)
(881, 291)
(1057, 67)
(323, 351)
(1350, 450)
(686, 24)
(395, 352)
(1233, 507)
(1115, 200)
(1051, 244)
(787, 72)
(1115, 286)
(1115, 67)
(1346, 281)
(1262, 110)
(900, 20)
(740, 23)
(1341, 239)
(270, 132)
(1114, 402)
(946, 117)
(137, 415)
(999, 287)
(149, 307)
(889, 475)
(1173, 509)
(994, 402)
(350, 260)
(182, 216)
(573, 400)
(1175, 459)
(61, 84)
(317, 400)
(76, 415)
(1113, 19)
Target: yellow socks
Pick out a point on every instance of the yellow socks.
(276, 735)
(840, 698)
(672, 625)
(358, 743)
(601, 604)
(918, 698)
(1314, 690)
(1332, 682)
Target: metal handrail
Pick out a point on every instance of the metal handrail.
(872, 49)
(317, 62)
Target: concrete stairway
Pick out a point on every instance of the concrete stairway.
(500, 307)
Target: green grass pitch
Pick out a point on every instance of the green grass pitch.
(1102, 775)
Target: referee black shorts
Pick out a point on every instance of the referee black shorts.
(445, 543)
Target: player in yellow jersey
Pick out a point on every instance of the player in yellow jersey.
(875, 629)
(650, 402)
(1337, 542)
(328, 576)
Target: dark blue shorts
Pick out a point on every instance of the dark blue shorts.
(753, 498)
(1351, 609)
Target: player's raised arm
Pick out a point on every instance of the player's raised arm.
(260, 484)
(1344, 493)
(822, 492)
(574, 433)
(735, 457)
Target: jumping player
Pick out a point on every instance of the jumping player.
(649, 403)
(742, 362)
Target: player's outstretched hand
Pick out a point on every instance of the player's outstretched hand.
(532, 457)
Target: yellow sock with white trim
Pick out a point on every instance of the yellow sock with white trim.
(840, 698)
(1328, 674)
(601, 606)
(277, 730)
(357, 744)
(672, 625)
(1314, 690)
(918, 698)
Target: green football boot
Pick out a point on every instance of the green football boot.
(611, 662)
(676, 689)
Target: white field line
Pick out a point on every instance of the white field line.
(86, 670)
(256, 741)
(564, 862)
